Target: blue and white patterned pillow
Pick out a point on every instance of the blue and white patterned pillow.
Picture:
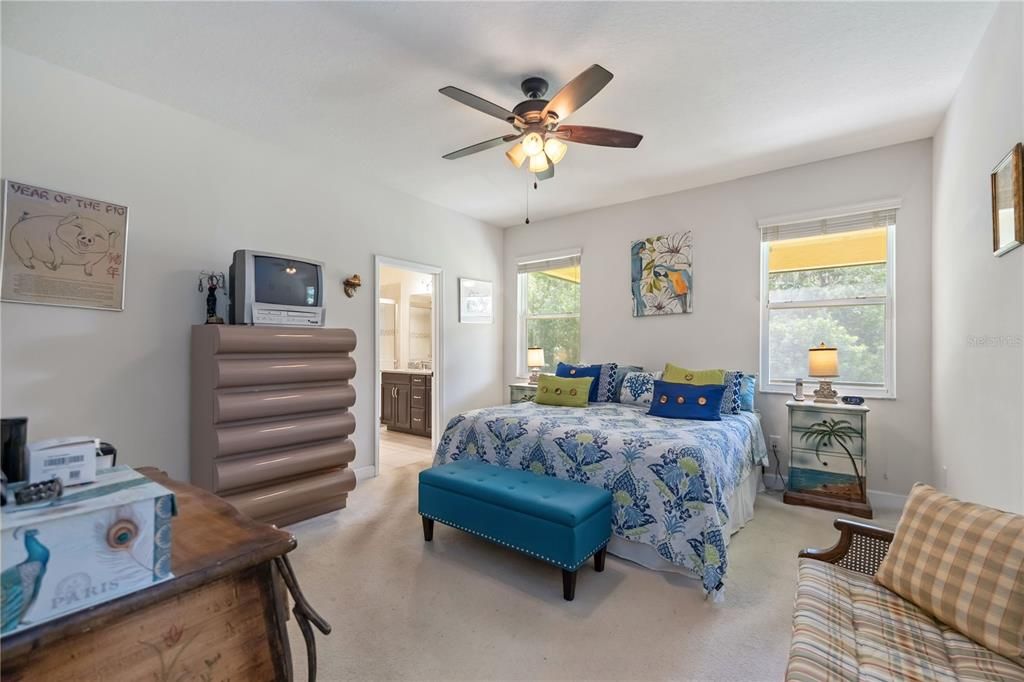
(638, 388)
(620, 374)
(733, 388)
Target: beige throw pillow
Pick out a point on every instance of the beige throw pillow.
(962, 563)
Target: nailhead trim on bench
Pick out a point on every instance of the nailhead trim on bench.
(516, 547)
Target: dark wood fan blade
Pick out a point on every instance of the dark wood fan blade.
(578, 91)
(603, 137)
(478, 103)
(481, 146)
(548, 174)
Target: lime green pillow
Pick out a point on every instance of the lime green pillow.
(552, 390)
(699, 377)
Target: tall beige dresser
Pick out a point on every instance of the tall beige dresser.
(271, 420)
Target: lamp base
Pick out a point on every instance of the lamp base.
(534, 374)
(825, 393)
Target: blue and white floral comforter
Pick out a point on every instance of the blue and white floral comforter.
(670, 478)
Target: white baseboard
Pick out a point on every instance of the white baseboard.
(880, 499)
(363, 473)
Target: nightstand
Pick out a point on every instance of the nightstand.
(522, 392)
(828, 457)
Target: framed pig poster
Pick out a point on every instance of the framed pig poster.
(62, 249)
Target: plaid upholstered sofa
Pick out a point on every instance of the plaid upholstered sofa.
(847, 626)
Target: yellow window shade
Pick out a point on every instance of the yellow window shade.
(861, 247)
(570, 273)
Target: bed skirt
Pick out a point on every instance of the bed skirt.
(741, 504)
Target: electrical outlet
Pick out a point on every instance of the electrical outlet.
(775, 439)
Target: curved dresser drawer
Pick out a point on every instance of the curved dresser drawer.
(233, 440)
(244, 339)
(284, 498)
(243, 472)
(281, 371)
(230, 407)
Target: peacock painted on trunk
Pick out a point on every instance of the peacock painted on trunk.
(21, 582)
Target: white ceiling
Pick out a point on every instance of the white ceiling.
(718, 90)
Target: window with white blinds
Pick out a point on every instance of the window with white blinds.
(830, 280)
(549, 309)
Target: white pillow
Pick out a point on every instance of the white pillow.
(638, 388)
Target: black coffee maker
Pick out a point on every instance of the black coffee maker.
(14, 436)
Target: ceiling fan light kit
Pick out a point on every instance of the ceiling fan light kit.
(540, 134)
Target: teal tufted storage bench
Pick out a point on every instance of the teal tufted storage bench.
(561, 522)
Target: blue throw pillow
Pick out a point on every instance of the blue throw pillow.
(687, 401)
(747, 388)
(602, 375)
(731, 398)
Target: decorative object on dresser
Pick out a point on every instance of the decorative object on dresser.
(522, 392)
(534, 361)
(823, 364)
(222, 615)
(212, 282)
(828, 457)
(1008, 202)
(561, 522)
(270, 418)
(405, 402)
(798, 389)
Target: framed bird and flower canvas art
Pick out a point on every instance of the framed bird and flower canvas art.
(662, 274)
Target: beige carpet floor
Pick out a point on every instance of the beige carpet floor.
(460, 608)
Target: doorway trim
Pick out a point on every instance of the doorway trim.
(436, 343)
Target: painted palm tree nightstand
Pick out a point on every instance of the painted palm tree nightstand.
(522, 392)
(828, 457)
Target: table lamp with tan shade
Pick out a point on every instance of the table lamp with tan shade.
(534, 361)
(823, 364)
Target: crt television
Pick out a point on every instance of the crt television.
(269, 288)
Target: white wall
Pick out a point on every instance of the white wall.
(723, 329)
(978, 413)
(197, 192)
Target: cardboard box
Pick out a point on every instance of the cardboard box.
(99, 541)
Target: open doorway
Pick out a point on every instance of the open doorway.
(407, 352)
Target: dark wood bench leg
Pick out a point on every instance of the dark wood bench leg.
(428, 528)
(599, 557)
(568, 585)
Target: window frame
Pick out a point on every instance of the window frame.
(522, 371)
(885, 391)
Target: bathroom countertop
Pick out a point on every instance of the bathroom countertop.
(407, 371)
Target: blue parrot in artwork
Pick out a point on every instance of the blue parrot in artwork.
(680, 280)
(21, 582)
(636, 275)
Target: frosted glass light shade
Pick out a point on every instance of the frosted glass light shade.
(823, 361)
(555, 149)
(533, 144)
(516, 155)
(534, 357)
(538, 163)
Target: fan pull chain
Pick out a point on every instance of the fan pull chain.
(528, 201)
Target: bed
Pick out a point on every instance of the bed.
(680, 487)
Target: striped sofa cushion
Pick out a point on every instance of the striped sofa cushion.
(962, 563)
(847, 627)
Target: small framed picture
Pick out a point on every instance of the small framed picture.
(62, 249)
(1008, 203)
(476, 301)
